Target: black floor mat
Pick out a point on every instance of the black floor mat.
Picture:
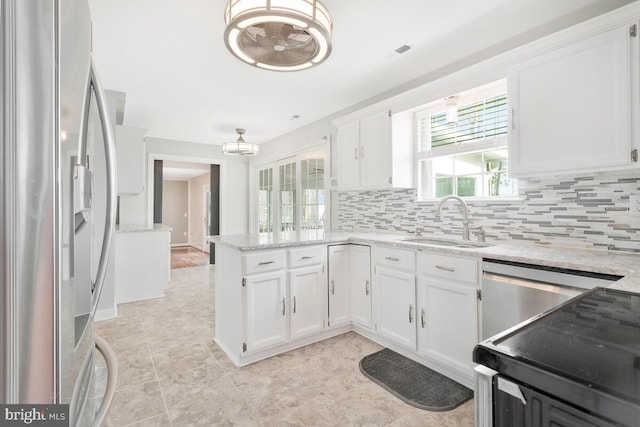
(412, 382)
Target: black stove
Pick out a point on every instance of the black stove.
(584, 354)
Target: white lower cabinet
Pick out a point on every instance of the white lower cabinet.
(447, 304)
(349, 285)
(394, 289)
(422, 304)
(396, 306)
(339, 284)
(307, 301)
(283, 304)
(360, 285)
(266, 315)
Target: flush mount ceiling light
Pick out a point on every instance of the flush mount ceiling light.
(240, 147)
(279, 35)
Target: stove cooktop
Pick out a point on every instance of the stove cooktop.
(586, 351)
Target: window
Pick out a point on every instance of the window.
(462, 147)
(299, 200)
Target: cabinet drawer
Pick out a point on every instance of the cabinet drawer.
(397, 258)
(302, 256)
(448, 267)
(257, 262)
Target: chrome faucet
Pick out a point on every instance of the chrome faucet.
(465, 214)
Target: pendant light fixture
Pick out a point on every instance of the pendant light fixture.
(452, 109)
(240, 147)
(278, 35)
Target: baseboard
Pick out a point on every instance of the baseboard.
(106, 314)
(189, 245)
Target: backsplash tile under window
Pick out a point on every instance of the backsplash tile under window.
(585, 211)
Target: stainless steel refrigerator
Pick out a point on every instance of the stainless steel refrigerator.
(57, 205)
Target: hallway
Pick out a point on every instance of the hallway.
(188, 256)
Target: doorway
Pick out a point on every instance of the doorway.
(187, 204)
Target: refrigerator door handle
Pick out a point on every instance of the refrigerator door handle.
(112, 376)
(110, 162)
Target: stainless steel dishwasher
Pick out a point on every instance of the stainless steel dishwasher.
(513, 292)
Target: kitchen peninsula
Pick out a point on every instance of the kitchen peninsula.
(277, 294)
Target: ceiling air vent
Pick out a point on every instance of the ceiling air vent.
(403, 48)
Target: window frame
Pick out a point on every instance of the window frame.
(425, 183)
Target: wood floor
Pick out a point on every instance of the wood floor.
(188, 256)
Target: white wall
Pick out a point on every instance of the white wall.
(175, 209)
(234, 177)
(234, 198)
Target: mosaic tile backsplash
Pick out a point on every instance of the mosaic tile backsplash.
(585, 212)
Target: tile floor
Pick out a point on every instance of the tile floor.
(171, 373)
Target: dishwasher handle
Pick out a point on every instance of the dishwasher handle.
(570, 291)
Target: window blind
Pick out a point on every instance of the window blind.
(476, 121)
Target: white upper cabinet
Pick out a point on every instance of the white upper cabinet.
(375, 150)
(367, 156)
(130, 155)
(348, 155)
(574, 109)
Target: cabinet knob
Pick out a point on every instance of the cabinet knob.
(422, 322)
(283, 306)
(333, 287)
(366, 288)
(410, 313)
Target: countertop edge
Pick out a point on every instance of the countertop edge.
(596, 261)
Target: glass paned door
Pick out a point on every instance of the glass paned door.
(313, 194)
(265, 200)
(287, 180)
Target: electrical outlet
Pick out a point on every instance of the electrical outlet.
(634, 204)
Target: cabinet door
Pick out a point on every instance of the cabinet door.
(447, 322)
(360, 286)
(571, 107)
(375, 150)
(308, 301)
(339, 283)
(266, 310)
(130, 159)
(349, 155)
(395, 315)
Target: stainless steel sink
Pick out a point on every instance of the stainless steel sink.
(451, 243)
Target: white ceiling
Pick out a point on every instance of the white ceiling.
(183, 170)
(169, 57)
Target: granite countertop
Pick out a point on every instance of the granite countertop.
(129, 228)
(597, 261)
